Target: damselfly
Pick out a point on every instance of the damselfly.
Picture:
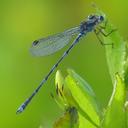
(51, 44)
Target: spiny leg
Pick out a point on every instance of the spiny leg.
(101, 28)
(106, 34)
(98, 37)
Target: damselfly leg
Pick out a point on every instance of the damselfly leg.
(100, 30)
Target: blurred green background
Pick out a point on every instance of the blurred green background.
(21, 22)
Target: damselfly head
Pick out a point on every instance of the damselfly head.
(96, 18)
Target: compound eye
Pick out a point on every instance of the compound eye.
(101, 18)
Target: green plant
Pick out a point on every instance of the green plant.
(75, 96)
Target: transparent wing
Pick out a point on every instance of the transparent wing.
(51, 44)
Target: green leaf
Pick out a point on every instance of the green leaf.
(68, 120)
(116, 53)
(115, 113)
(64, 95)
(59, 84)
(84, 97)
(126, 66)
(116, 49)
(126, 110)
(83, 122)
